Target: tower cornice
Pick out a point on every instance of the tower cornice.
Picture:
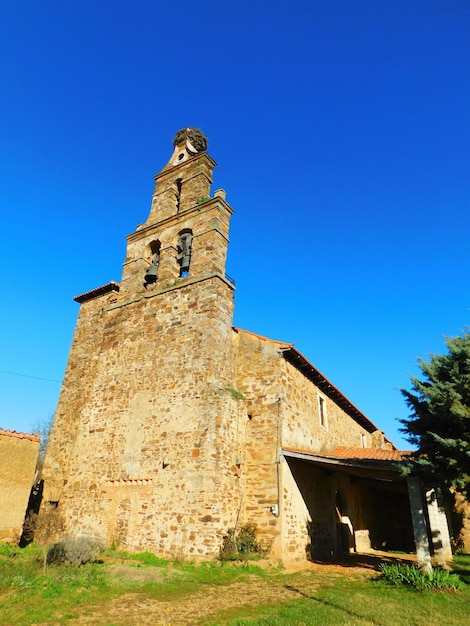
(147, 229)
(175, 170)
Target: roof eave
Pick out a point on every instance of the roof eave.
(293, 356)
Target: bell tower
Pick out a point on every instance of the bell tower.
(144, 447)
(185, 237)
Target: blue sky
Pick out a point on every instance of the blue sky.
(342, 134)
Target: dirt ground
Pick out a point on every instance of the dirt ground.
(210, 600)
(133, 609)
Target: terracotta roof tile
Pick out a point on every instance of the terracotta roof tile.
(17, 435)
(343, 452)
(99, 291)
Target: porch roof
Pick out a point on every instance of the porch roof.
(371, 463)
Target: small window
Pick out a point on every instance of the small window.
(322, 412)
(363, 440)
(179, 185)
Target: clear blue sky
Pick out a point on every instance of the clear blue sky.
(342, 134)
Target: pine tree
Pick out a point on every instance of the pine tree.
(439, 424)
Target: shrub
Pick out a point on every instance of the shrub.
(75, 551)
(241, 544)
(44, 527)
(412, 576)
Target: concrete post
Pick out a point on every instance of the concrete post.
(419, 523)
(439, 529)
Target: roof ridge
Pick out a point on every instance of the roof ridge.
(350, 452)
(18, 435)
(250, 332)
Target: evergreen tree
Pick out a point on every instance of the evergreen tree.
(439, 424)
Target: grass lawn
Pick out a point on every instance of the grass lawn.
(143, 590)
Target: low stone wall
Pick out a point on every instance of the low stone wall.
(18, 456)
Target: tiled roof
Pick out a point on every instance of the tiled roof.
(16, 435)
(366, 454)
(96, 293)
(374, 464)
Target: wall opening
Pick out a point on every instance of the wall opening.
(151, 272)
(179, 184)
(322, 412)
(185, 244)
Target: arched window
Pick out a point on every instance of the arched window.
(151, 273)
(155, 252)
(185, 242)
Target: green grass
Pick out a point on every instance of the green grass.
(461, 566)
(354, 603)
(323, 597)
(367, 602)
(21, 577)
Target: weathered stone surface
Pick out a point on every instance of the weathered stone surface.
(18, 456)
(171, 424)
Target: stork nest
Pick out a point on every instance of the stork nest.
(195, 136)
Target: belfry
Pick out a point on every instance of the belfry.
(144, 438)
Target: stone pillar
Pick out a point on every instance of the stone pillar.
(164, 203)
(439, 529)
(419, 523)
(168, 268)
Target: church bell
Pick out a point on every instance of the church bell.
(151, 274)
(184, 262)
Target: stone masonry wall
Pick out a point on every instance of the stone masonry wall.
(308, 511)
(152, 465)
(301, 419)
(284, 412)
(76, 392)
(209, 223)
(302, 429)
(260, 380)
(145, 437)
(181, 186)
(18, 456)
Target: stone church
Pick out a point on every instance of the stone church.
(173, 426)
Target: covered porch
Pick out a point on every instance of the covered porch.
(358, 502)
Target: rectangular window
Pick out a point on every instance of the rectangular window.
(363, 440)
(322, 411)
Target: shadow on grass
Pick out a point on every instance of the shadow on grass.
(367, 560)
(463, 570)
(372, 562)
(332, 605)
